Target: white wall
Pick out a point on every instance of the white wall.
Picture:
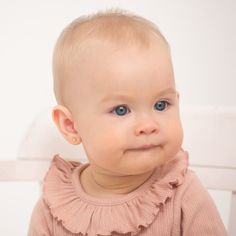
(202, 35)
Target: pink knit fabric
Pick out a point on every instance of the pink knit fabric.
(171, 202)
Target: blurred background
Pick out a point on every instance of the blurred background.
(202, 35)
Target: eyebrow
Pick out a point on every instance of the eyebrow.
(168, 91)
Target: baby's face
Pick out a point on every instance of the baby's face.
(127, 112)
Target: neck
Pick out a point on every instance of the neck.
(98, 184)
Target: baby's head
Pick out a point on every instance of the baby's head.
(115, 88)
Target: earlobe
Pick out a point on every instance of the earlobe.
(63, 119)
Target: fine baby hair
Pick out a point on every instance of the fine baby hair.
(115, 91)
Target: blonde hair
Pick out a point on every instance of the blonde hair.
(115, 26)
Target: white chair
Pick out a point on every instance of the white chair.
(209, 138)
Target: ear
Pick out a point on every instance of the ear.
(63, 119)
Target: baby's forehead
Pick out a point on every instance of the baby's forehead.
(101, 59)
(92, 38)
(97, 52)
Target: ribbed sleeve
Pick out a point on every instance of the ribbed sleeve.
(41, 223)
(199, 213)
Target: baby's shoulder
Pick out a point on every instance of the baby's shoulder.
(191, 178)
(192, 184)
(58, 181)
(62, 164)
(59, 173)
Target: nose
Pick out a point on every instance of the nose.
(146, 127)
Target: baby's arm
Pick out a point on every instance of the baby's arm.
(41, 220)
(199, 213)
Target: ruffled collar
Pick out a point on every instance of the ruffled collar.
(81, 213)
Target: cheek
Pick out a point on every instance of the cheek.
(175, 132)
(113, 132)
(179, 137)
(104, 140)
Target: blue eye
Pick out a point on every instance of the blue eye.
(121, 110)
(161, 105)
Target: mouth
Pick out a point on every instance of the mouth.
(145, 148)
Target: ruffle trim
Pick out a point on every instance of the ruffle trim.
(80, 216)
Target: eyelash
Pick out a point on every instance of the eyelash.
(167, 104)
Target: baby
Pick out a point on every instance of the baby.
(115, 89)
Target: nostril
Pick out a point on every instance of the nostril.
(147, 129)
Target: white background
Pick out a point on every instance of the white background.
(202, 35)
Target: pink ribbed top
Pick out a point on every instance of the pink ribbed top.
(171, 202)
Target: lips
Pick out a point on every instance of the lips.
(146, 147)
